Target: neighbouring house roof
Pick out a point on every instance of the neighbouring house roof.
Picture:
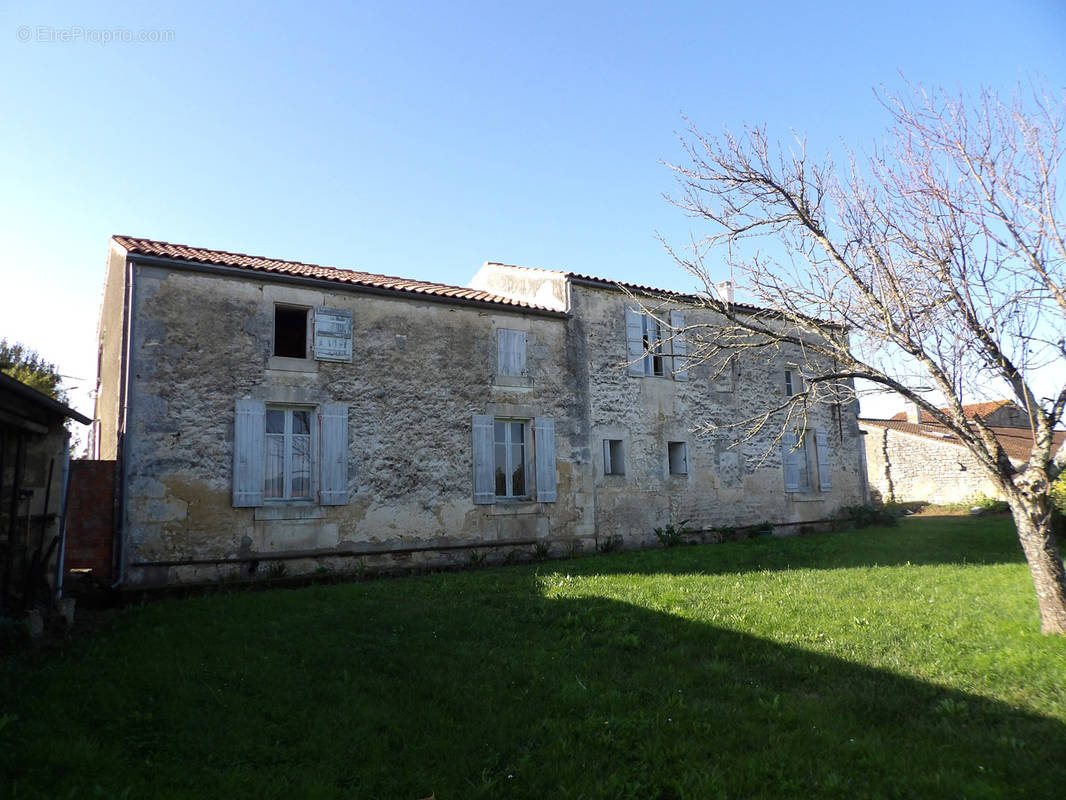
(971, 411)
(1017, 443)
(32, 399)
(221, 258)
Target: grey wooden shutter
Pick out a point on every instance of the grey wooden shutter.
(680, 346)
(333, 334)
(333, 461)
(607, 457)
(634, 343)
(544, 445)
(248, 453)
(510, 352)
(790, 457)
(484, 461)
(821, 444)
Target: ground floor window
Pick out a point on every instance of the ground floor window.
(288, 467)
(514, 459)
(510, 451)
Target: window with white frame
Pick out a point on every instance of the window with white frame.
(805, 457)
(287, 470)
(290, 454)
(614, 462)
(655, 344)
(514, 459)
(793, 382)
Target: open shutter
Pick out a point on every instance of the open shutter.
(544, 446)
(607, 457)
(634, 343)
(821, 443)
(680, 346)
(510, 352)
(484, 481)
(790, 457)
(248, 453)
(333, 334)
(333, 464)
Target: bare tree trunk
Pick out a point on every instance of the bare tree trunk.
(1041, 549)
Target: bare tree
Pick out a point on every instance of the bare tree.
(942, 256)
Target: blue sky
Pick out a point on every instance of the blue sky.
(421, 139)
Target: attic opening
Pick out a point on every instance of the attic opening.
(290, 332)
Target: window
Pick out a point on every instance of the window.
(613, 457)
(655, 348)
(511, 450)
(290, 332)
(288, 454)
(510, 353)
(806, 461)
(793, 382)
(514, 459)
(677, 454)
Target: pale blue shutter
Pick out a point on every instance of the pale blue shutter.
(510, 352)
(333, 334)
(680, 346)
(484, 461)
(544, 445)
(821, 444)
(607, 470)
(248, 453)
(333, 461)
(790, 457)
(634, 343)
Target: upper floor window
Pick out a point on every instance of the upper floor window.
(793, 382)
(510, 353)
(290, 331)
(655, 345)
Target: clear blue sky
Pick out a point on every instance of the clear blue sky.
(421, 139)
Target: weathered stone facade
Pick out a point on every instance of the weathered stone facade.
(196, 340)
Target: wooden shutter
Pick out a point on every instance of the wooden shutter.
(248, 453)
(544, 446)
(333, 449)
(821, 443)
(790, 457)
(634, 343)
(484, 461)
(510, 352)
(333, 334)
(680, 346)
(607, 457)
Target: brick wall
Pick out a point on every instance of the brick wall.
(90, 517)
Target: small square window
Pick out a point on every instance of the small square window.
(793, 382)
(613, 457)
(678, 454)
(290, 332)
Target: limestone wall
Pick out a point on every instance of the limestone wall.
(907, 468)
(421, 370)
(730, 482)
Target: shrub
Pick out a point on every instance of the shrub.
(990, 505)
(673, 534)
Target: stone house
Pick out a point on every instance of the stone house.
(267, 412)
(911, 459)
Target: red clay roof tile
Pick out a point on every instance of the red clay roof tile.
(200, 255)
(1016, 442)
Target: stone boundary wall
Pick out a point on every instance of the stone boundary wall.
(906, 468)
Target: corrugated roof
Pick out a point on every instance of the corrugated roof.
(222, 258)
(1016, 442)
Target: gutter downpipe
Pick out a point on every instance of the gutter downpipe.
(62, 554)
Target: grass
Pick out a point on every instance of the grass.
(901, 662)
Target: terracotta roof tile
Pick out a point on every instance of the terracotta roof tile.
(1016, 442)
(200, 255)
(970, 411)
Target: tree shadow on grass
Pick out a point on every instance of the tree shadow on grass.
(455, 688)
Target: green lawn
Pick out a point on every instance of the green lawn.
(899, 662)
